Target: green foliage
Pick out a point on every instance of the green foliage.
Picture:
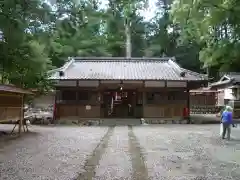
(23, 59)
(214, 26)
(39, 37)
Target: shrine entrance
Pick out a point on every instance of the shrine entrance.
(121, 103)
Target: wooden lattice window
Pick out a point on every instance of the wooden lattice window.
(177, 96)
(139, 98)
(68, 95)
(87, 97)
(156, 98)
(84, 95)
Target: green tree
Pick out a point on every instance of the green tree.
(163, 39)
(22, 55)
(38, 37)
(125, 28)
(214, 26)
(78, 31)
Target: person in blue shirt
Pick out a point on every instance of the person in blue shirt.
(227, 121)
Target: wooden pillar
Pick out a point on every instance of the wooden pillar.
(99, 99)
(21, 115)
(238, 94)
(77, 99)
(188, 106)
(143, 102)
(55, 107)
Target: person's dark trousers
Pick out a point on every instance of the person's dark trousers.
(226, 128)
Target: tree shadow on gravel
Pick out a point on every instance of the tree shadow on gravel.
(8, 138)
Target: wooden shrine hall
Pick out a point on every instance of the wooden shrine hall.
(111, 87)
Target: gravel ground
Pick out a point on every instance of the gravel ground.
(154, 152)
(51, 153)
(116, 162)
(189, 152)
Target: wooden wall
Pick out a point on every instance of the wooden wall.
(203, 103)
(66, 110)
(77, 103)
(167, 104)
(163, 111)
(10, 106)
(156, 103)
(203, 99)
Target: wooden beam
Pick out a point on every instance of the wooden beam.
(154, 84)
(11, 95)
(132, 82)
(55, 107)
(88, 83)
(110, 82)
(188, 106)
(21, 116)
(68, 83)
(176, 84)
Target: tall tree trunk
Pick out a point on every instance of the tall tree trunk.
(128, 39)
(226, 33)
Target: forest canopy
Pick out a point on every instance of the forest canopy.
(37, 36)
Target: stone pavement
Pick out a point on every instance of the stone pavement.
(154, 152)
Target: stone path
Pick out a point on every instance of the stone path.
(115, 162)
(171, 152)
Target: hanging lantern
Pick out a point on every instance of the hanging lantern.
(120, 87)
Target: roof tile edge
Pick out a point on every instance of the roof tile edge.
(64, 67)
(203, 76)
(180, 69)
(67, 64)
(112, 59)
(176, 67)
(53, 72)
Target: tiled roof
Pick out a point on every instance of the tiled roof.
(227, 79)
(235, 77)
(13, 89)
(111, 68)
(220, 83)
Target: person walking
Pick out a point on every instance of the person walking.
(227, 122)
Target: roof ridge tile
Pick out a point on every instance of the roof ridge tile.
(135, 68)
(125, 59)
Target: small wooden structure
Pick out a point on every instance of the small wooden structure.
(203, 101)
(229, 91)
(112, 87)
(12, 104)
